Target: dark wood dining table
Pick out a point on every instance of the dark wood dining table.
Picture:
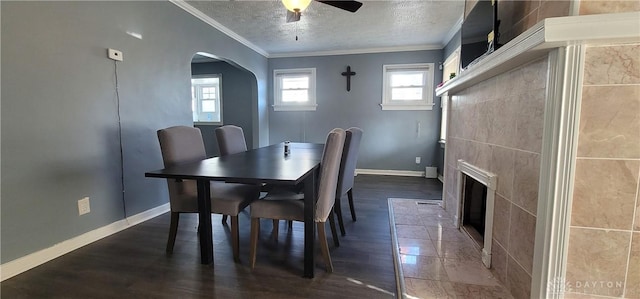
(262, 165)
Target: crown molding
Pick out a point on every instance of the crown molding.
(357, 51)
(203, 17)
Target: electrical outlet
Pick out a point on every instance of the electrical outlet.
(84, 206)
(114, 54)
(418, 160)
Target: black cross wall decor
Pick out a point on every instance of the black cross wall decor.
(348, 74)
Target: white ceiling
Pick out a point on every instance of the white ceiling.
(378, 26)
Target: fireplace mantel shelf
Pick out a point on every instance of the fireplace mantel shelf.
(548, 34)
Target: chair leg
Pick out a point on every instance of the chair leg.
(322, 238)
(255, 230)
(235, 239)
(290, 222)
(173, 230)
(276, 227)
(353, 211)
(224, 219)
(337, 207)
(334, 233)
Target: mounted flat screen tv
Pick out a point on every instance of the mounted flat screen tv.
(477, 29)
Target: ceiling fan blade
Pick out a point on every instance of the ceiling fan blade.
(293, 16)
(351, 6)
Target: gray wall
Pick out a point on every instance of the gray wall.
(59, 119)
(237, 95)
(452, 45)
(390, 140)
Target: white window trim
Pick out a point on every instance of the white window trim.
(278, 105)
(426, 104)
(220, 99)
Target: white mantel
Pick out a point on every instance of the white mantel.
(545, 36)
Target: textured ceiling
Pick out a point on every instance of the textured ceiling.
(323, 28)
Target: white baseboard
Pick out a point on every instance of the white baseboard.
(22, 264)
(441, 178)
(390, 172)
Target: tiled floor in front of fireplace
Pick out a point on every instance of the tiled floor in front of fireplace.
(434, 259)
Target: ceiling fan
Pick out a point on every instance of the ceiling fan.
(295, 7)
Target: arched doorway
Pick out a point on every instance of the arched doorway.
(222, 93)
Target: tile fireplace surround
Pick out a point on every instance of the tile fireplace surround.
(516, 113)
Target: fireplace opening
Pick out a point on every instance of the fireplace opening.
(476, 200)
(474, 209)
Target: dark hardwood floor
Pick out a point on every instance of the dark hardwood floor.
(133, 263)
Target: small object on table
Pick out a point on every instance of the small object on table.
(287, 148)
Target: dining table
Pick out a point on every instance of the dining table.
(265, 165)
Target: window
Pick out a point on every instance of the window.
(407, 87)
(294, 90)
(206, 99)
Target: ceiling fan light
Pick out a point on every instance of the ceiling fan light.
(296, 5)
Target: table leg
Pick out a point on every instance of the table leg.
(309, 224)
(204, 213)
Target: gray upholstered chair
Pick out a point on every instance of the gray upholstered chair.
(347, 172)
(183, 144)
(230, 140)
(293, 208)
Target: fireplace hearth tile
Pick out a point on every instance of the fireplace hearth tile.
(457, 250)
(412, 231)
(423, 288)
(462, 290)
(436, 222)
(407, 219)
(417, 247)
(423, 265)
(450, 234)
(408, 210)
(469, 272)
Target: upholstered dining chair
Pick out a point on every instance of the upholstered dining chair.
(183, 144)
(230, 140)
(293, 208)
(347, 173)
